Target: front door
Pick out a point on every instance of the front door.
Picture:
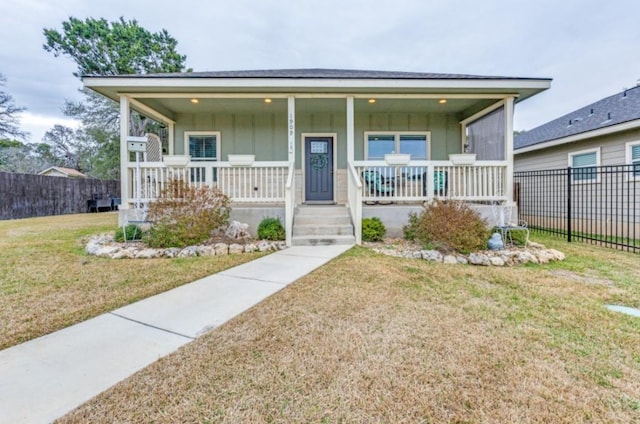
(318, 162)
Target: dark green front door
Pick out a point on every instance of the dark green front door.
(318, 169)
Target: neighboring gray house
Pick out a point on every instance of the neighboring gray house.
(601, 144)
(356, 143)
(606, 132)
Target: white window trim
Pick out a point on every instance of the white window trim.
(187, 134)
(396, 136)
(582, 152)
(628, 160)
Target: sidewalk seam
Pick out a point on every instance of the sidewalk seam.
(152, 326)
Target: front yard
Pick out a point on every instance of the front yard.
(47, 282)
(371, 338)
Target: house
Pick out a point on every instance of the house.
(306, 144)
(59, 171)
(606, 132)
(578, 174)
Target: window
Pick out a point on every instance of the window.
(202, 145)
(633, 158)
(584, 165)
(379, 144)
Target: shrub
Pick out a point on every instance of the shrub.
(271, 229)
(449, 226)
(184, 215)
(131, 231)
(409, 230)
(373, 229)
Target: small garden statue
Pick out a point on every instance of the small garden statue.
(495, 242)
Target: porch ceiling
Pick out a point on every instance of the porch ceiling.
(173, 106)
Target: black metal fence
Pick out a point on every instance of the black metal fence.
(594, 204)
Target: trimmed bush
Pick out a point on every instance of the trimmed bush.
(271, 229)
(373, 229)
(132, 232)
(184, 215)
(409, 230)
(450, 226)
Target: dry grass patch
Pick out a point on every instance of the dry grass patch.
(47, 282)
(371, 338)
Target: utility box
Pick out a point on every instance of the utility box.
(137, 144)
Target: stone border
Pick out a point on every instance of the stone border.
(534, 253)
(104, 245)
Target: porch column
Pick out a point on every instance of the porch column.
(124, 153)
(508, 138)
(350, 131)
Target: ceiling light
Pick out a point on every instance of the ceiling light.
(267, 100)
(442, 101)
(372, 101)
(195, 101)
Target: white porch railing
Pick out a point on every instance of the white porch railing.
(260, 182)
(425, 180)
(355, 201)
(290, 202)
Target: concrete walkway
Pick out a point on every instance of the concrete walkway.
(45, 378)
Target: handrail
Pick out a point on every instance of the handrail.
(354, 188)
(289, 202)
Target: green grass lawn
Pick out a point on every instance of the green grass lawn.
(47, 282)
(377, 339)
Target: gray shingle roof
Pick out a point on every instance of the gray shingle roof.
(318, 73)
(612, 110)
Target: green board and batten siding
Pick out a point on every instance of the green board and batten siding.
(265, 134)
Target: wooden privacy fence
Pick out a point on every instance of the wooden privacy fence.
(26, 195)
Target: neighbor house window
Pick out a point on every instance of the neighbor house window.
(584, 165)
(633, 158)
(378, 144)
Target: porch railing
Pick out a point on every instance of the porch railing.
(425, 180)
(260, 182)
(290, 202)
(355, 201)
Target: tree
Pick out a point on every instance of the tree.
(9, 122)
(28, 158)
(100, 47)
(122, 47)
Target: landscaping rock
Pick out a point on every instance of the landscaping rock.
(205, 251)
(264, 246)
(431, 255)
(188, 252)
(496, 261)
(479, 259)
(450, 259)
(250, 248)
(235, 248)
(221, 248)
(146, 254)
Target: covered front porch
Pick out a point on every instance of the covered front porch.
(275, 144)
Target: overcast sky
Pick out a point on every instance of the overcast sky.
(590, 48)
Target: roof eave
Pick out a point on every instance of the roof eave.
(110, 86)
(624, 126)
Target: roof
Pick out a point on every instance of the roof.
(314, 80)
(69, 172)
(319, 73)
(609, 112)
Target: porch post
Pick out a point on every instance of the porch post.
(124, 153)
(350, 131)
(508, 139)
(290, 189)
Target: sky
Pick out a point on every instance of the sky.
(591, 49)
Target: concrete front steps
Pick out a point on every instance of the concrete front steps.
(322, 225)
